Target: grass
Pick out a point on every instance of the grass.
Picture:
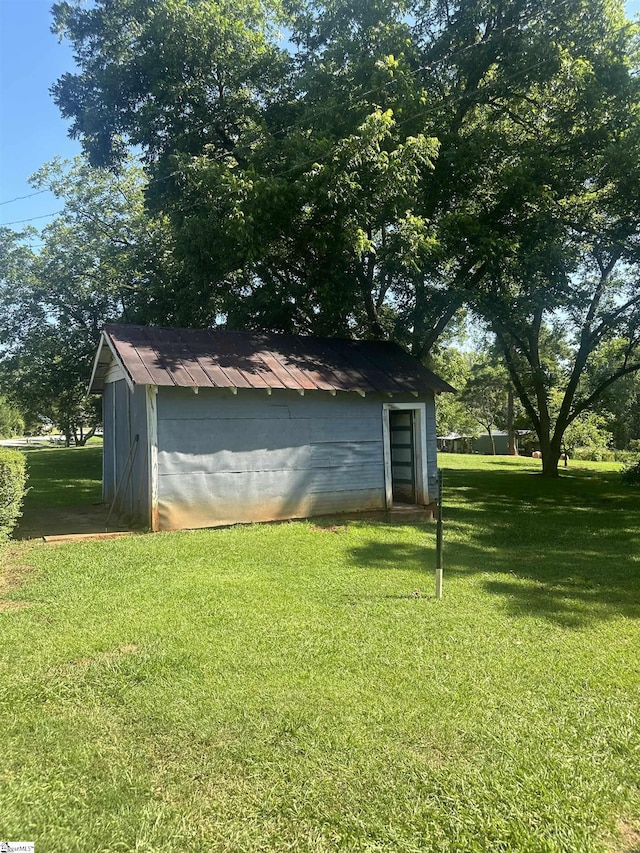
(63, 477)
(296, 687)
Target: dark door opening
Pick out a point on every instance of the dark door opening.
(403, 462)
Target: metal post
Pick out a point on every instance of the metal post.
(439, 539)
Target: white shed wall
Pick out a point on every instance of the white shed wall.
(125, 467)
(225, 458)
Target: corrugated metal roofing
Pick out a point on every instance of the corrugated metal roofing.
(212, 358)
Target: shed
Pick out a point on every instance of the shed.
(208, 427)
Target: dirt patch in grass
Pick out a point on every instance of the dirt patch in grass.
(329, 528)
(13, 574)
(629, 838)
(105, 657)
(67, 522)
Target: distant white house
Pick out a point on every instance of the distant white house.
(456, 443)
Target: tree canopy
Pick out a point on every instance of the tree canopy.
(367, 168)
(100, 259)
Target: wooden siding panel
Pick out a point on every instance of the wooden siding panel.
(205, 438)
(342, 429)
(252, 457)
(108, 444)
(224, 459)
(264, 496)
(139, 506)
(183, 404)
(255, 485)
(303, 458)
(236, 461)
(122, 437)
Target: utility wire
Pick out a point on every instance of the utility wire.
(452, 54)
(21, 197)
(32, 219)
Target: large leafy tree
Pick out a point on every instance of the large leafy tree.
(336, 185)
(101, 260)
(620, 408)
(569, 266)
(392, 162)
(11, 420)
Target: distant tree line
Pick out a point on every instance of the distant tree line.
(485, 403)
(368, 169)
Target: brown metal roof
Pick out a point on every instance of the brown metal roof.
(206, 358)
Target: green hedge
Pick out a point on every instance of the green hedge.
(631, 474)
(603, 454)
(13, 478)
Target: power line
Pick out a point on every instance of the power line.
(432, 109)
(32, 219)
(22, 197)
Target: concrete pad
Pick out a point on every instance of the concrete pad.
(69, 523)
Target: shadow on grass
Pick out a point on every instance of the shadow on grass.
(567, 550)
(63, 477)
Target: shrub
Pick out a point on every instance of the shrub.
(631, 474)
(13, 478)
(592, 454)
(626, 456)
(603, 454)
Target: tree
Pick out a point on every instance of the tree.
(11, 420)
(337, 186)
(454, 366)
(587, 430)
(568, 237)
(397, 161)
(102, 259)
(485, 396)
(619, 405)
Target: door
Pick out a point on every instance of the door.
(403, 457)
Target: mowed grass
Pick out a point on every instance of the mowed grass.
(297, 687)
(63, 477)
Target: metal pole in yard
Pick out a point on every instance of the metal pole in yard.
(439, 538)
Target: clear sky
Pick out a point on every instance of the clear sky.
(32, 131)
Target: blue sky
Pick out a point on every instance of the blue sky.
(32, 131)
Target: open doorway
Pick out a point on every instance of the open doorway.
(405, 454)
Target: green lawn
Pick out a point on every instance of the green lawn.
(63, 477)
(296, 687)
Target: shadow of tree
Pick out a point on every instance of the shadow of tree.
(567, 550)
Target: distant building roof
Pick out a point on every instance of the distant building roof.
(212, 358)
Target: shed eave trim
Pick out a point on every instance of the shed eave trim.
(95, 382)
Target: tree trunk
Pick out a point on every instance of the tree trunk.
(550, 448)
(84, 438)
(513, 450)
